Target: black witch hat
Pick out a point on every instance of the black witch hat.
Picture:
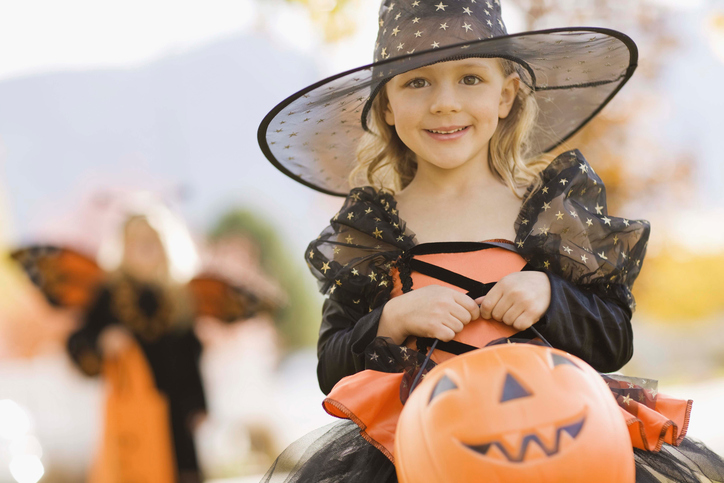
(573, 73)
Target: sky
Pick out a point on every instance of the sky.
(39, 36)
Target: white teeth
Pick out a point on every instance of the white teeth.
(446, 132)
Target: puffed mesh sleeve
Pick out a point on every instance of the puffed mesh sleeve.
(352, 260)
(564, 227)
(353, 257)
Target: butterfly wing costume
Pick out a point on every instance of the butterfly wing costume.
(166, 355)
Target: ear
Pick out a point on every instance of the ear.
(389, 115)
(511, 84)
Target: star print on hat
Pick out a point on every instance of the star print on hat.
(573, 73)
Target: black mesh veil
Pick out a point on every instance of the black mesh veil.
(573, 73)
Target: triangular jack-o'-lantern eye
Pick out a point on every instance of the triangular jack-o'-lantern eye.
(513, 389)
(558, 359)
(445, 384)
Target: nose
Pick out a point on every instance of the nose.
(446, 100)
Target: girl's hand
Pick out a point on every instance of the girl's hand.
(519, 299)
(432, 311)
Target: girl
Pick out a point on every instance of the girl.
(137, 331)
(449, 126)
(141, 310)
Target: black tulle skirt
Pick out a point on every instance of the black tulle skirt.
(337, 453)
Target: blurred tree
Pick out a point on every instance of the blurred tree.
(715, 32)
(336, 18)
(618, 142)
(298, 318)
(676, 285)
(680, 286)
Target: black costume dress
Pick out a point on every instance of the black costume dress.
(170, 347)
(563, 230)
(161, 319)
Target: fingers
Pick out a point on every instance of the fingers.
(504, 304)
(516, 315)
(527, 292)
(470, 305)
(489, 302)
(454, 324)
(524, 321)
(440, 326)
(518, 300)
(512, 315)
(444, 332)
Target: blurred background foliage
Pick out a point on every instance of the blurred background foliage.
(336, 18)
(679, 286)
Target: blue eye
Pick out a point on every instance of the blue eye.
(417, 83)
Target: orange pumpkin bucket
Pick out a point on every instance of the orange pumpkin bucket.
(513, 413)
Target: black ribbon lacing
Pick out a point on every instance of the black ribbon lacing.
(405, 266)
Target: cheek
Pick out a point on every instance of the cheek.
(485, 109)
(407, 125)
(409, 138)
(406, 114)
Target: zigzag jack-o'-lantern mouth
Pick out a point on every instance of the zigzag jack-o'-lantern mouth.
(573, 430)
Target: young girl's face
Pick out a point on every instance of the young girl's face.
(143, 253)
(446, 113)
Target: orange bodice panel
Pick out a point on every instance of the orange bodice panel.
(486, 266)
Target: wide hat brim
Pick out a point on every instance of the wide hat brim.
(313, 135)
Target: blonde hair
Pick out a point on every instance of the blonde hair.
(385, 162)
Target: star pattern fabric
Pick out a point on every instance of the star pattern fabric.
(448, 23)
(563, 227)
(353, 257)
(313, 135)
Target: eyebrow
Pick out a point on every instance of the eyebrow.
(471, 65)
(467, 65)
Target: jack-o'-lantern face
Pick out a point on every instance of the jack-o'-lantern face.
(513, 413)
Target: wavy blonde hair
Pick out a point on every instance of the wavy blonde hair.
(385, 162)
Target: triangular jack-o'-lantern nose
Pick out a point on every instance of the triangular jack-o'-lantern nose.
(513, 389)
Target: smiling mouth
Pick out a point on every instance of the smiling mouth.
(436, 131)
(572, 430)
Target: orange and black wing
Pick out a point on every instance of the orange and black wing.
(216, 298)
(66, 277)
